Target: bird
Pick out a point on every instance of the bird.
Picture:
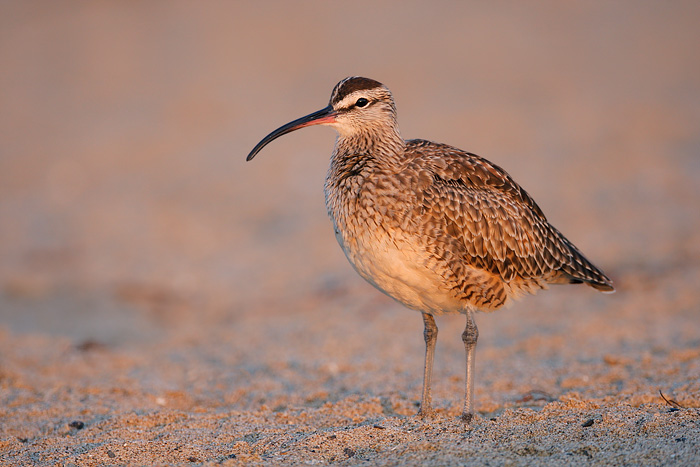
(438, 229)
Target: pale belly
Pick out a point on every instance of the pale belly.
(395, 266)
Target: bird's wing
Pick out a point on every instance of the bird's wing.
(475, 206)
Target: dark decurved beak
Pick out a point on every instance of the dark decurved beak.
(326, 115)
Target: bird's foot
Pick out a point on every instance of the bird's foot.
(426, 412)
(467, 418)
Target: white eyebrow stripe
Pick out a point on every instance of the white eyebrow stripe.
(349, 100)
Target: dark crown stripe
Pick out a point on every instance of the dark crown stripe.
(352, 84)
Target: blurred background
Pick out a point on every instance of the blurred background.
(126, 206)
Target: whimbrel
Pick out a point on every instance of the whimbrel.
(436, 228)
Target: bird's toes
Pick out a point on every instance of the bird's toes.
(467, 418)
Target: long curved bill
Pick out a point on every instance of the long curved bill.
(325, 115)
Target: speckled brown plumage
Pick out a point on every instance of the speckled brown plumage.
(481, 231)
(434, 227)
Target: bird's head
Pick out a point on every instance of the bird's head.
(358, 106)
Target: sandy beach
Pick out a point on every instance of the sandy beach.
(163, 302)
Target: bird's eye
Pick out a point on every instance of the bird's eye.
(361, 102)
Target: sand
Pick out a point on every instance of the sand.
(162, 302)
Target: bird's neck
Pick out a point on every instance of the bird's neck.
(383, 146)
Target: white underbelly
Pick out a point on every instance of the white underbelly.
(399, 269)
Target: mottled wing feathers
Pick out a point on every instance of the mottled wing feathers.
(455, 164)
(496, 226)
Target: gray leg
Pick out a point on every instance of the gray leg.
(469, 337)
(430, 333)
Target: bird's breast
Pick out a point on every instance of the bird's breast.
(371, 219)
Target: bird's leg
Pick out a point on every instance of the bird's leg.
(430, 333)
(469, 337)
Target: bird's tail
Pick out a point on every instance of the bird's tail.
(580, 270)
